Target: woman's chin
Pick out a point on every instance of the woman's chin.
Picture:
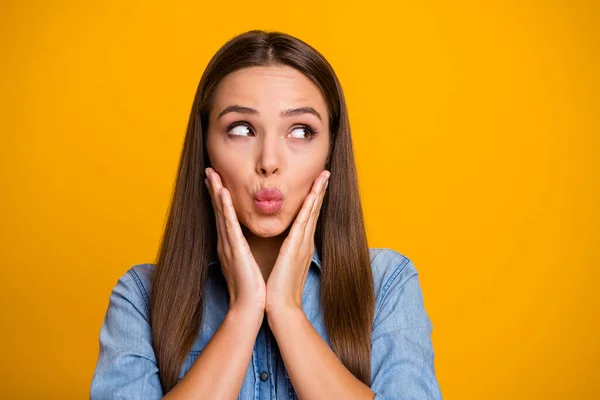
(266, 227)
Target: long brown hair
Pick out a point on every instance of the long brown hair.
(190, 235)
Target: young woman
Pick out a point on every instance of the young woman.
(264, 286)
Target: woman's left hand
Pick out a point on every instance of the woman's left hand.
(286, 281)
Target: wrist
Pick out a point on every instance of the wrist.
(278, 316)
(246, 314)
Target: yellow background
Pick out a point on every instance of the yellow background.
(476, 130)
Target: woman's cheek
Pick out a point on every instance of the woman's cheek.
(227, 178)
(300, 199)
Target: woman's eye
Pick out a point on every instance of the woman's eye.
(302, 132)
(239, 130)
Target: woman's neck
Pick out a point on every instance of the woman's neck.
(264, 250)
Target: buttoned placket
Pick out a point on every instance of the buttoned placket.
(264, 359)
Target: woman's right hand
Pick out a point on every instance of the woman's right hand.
(245, 282)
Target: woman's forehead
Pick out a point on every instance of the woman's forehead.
(268, 89)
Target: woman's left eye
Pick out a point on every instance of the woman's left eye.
(303, 132)
(239, 130)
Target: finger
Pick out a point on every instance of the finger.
(317, 189)
(218, 184)
(321, 186)
(299, 227)
(232, 225)
(217, 207)
(220, 230)
(302, 219)
(215, 184)
(315, 212)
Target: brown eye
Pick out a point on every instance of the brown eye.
(303, 132)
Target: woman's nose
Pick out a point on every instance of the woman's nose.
(269, 155)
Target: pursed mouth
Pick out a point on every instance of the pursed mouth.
(268, 194)
(268, 206)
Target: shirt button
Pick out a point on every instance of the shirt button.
(264, 376)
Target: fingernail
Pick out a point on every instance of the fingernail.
(327, 175)
(206, 172)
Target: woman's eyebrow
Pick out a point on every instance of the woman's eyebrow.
(290, 112)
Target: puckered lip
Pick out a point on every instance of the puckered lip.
(268, 194)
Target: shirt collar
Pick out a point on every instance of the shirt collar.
(315, 260)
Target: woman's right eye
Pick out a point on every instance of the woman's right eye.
(239, 130)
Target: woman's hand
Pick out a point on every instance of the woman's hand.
(245, 282)
(287, 279)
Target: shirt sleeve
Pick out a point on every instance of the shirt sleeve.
(402, 351)
(126, 367)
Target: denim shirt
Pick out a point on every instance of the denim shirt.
(402, 357)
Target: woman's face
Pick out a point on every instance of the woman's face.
(259, 135)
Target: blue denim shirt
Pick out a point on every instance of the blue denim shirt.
(402, 362)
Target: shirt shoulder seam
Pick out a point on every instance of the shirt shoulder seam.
(406, 261)
(395, 274)
(140, 286)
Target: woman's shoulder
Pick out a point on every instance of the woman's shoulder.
(387, 263)
(142, 274)
(135, 285)
(390, 268)
(397, 290)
